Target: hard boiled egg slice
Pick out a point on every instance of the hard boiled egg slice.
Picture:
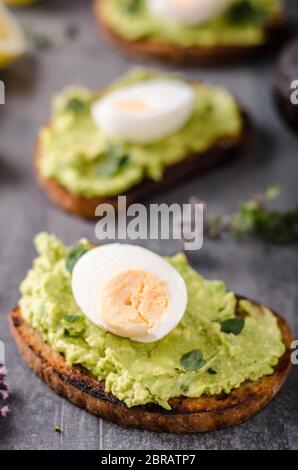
(145, 112)
(188, 12)
(129, 291)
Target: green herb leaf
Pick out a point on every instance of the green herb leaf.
(233, 325)
(254, 217)
(272, 192)
(133, 6)
(211, 371)
(277, 227)
(75, 105)
(184, 388)
(57, 429)
(71, 318)
(115, 159)
(193, 360)
(245, 11)
(73, 255)
(39, 40)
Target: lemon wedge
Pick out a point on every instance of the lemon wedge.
(12, 41)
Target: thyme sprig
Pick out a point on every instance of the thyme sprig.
(255, 218)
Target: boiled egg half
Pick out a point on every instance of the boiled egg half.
(129, 291)
(145, 112)
(187, 12)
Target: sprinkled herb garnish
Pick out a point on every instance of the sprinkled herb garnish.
(73, 255)
(184, 388)
(245, 11)
(255, 218)
(192, 360)
(232, 325)
(39, 40)
(75, 105)
(272, 192)
(57, 429)
(114, 160)
(133, 6)
(211, 371)
(71, 318)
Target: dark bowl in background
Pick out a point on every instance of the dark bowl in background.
(286, 72)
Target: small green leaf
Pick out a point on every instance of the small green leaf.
(193, 360)
(211, 371)
(133, 6)
(233, 325)
(71, 318)
(38, 39)
(57, 429)
(111, 167)
(75, 105)
(245, 11)
(115, 159)
(184, 388)
(272, 192)
(73, 255)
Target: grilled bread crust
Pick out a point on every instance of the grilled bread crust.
(187, 415)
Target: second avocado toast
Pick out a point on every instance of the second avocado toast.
(72, 152)
(208, 32)
(225, 359)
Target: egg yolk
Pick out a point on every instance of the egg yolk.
(132, 303)
(132, 105)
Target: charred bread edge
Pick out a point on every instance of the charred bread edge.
(191, 55)
(205, 413)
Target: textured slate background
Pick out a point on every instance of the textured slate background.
(264, 272)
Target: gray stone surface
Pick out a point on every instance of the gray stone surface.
(264, 272)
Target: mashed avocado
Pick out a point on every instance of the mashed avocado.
(78, 155)
(228, 29)
(139, 373)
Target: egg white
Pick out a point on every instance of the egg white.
(94, 269)
(168, 104)
(187, 12)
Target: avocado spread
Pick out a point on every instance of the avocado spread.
(242, 24)
(77, 154)
(199, 356)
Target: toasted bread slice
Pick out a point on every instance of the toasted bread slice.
(191, 55)
(205, 413)
(191, 165)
